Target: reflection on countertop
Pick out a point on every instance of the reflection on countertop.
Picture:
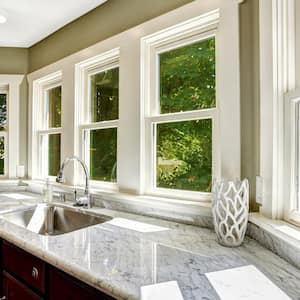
(121, 257)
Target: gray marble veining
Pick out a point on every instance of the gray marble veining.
(119, 261)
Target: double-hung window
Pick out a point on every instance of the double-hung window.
(181, 116)
(3, 131)
(50, 134)
(99, 119)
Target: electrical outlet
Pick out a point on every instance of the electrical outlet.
(259, 190)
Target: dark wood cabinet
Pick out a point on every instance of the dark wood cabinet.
(26, 277)
(24, 266)
(15, 290)
(62, 286)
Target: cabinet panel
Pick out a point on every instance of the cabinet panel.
(28, 268)
(14, 290)
(63, 286)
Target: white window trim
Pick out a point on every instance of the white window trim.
(277, 78)
(193, 30)
(83, 71)
(11, 84)
(39, 151)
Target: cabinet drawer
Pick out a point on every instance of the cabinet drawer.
(15, 290)
(26, 267)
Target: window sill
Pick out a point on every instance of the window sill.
(278, 236)
(183, 211)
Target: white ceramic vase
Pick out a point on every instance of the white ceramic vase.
(230, 211)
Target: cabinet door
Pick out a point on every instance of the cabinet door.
(15, 290)
(63, 286)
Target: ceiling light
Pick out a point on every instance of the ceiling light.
(2, 19)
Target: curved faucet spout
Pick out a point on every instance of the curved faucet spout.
(60, 176)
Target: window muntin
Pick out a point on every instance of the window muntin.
(182, 121)
(100, 133)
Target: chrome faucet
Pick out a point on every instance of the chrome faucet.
(86, 199)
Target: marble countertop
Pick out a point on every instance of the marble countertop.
(119, 261)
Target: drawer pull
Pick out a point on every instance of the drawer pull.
(35, 273)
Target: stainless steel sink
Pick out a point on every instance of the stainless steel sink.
(53, 219)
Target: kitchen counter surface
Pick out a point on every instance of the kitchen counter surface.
(118, 260)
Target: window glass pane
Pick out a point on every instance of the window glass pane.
(54, 107)
(103, 154)
(53, 154)
(105, 96)
(184, 155)
(187, 77)
(3, 111)
(2, 153)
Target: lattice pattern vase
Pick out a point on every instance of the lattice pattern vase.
(230, 211)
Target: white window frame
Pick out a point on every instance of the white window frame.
(40, 125)
(83, 72)
(194, 30)
(292, 156)
(10, 84)
(278, 101)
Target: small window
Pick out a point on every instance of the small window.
(100, 132)
(50, 135)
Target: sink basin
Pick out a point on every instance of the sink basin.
(53, 219)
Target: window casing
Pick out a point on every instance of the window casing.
(47, 126)
(202, 119)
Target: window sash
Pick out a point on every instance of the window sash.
(43, 154)
(151, 122)
(85, 150)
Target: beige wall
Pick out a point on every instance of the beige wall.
(105, 21)
(13, 60)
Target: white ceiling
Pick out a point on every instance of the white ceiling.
(29, 21)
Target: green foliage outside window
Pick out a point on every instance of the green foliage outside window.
(53, 154)
(103, 154)
(184, 149)
(2, 155)
(187, 78)
(3, 111)
(104, 104)
(105, 96)
(54, 107)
